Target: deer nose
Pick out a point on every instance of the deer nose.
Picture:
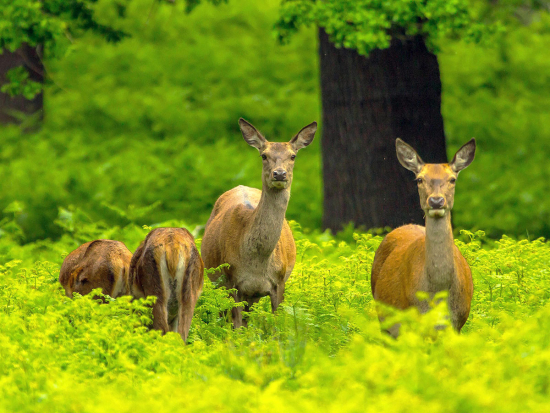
(279, 174)
(436, 202)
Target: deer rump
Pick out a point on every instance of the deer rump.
(168, 265)
(102, 263)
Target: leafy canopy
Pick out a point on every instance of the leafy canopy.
(366, 25)
(50, 26)
(51, 22)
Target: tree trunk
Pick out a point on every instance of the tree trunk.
(10, 106)
(367, 104)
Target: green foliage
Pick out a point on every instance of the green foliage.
(322, 350)
(191, 4)
(20, 84)
(51, 23)
(144, 131)
(159, 126)
(367, 25)
(24, 21)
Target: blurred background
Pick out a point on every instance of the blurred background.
(137, 122)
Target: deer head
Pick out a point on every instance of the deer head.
(436, 182)
(84, 280)
(277, 157)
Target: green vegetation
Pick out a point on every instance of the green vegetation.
(366, 25)
(501, 95)
(144, 131)
(322, 350)
(152, 120)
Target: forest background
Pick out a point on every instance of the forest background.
(151, 121)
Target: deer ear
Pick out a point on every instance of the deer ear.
(304, 137)
(75, 276)
(408, 157)
(464, 156)
(251, 135)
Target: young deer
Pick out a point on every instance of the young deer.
(167, 265)
(413, 258)
(97, 264)
(248, 230)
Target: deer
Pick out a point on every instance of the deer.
(167, 264)
(97, 264)
(413, 258)
(247, 228)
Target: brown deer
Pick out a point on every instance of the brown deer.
(97, 264)
(413, 258)
(248, 230)
(167, 265)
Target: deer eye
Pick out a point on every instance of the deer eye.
(419, 180)
(264, 157)
(453, 180)
(293, 157)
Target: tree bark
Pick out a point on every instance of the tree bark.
(368, 102)
(9, 106)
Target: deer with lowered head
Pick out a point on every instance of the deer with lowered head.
(97, 264)
(248, 230)
(167, 265)
(413, 258)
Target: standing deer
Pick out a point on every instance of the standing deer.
(248, 230)
(167, 265)
(413, 258)
(97, 264)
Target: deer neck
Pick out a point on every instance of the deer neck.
(264, 230)
(439, 266)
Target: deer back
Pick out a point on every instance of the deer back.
(97, 264)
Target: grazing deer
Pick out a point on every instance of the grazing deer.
(97, 264)
(413, 258)
(248, 230)
(167, 265)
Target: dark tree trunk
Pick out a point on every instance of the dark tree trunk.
(367, 104)
(9, 106)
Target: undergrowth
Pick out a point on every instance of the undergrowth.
(322, 350)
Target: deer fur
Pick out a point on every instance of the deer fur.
(167, 265)
(248, 230)
(413, 258)
(97, 264)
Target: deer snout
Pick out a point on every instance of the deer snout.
(279, 175)
(436, 202)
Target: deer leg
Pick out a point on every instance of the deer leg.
(185, 316)
(160, 316)
(394, 330)
(249, 303)
(458, 318)
(277, 296)
(236, 312)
